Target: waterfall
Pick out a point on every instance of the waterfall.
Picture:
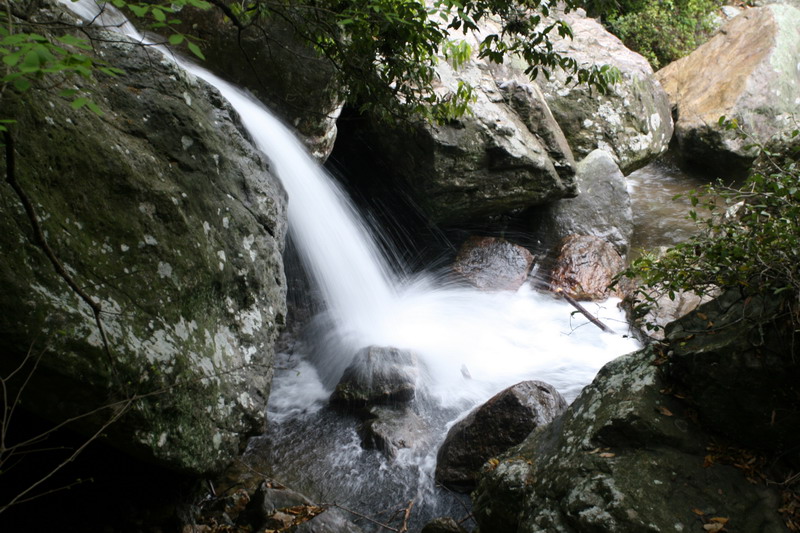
(501, 338)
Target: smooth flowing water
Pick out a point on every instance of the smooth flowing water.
(500, 338)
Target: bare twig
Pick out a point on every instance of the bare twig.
(406, 515)
(21, 495)
(593, 319)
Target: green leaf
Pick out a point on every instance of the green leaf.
(176, 39)
(96, 110)
(139, 10)
(193, 48)
(21, 84)
(158, 14)
(79, 102)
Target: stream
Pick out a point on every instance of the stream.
(500, 338)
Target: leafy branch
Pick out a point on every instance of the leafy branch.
(749, 238)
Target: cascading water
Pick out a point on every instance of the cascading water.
(501, 338)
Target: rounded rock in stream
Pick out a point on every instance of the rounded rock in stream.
(378, 375)
(586, 267)
(491, 263)
(390, 429)
(502, 422)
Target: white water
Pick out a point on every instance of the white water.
(501, 338)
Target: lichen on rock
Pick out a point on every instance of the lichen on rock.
(147, 207)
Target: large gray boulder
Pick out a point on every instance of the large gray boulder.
(747, 72)
(507, 154)
(164, 214)
(626, 457)
(602, 207)
(492, 428)
(632, 122)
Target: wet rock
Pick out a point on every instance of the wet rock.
(166, 215)
(602, 207)
(378, 375)
(392, 429)
(443, 525)
(632, 122)
(275, 64)
(502, 422)
(268, 506)
(284, 508)
(491, 263)
(585, 267)
(661, 312)
(747, 72)
(624, 458)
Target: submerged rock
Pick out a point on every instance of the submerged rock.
(585, 267)
(624, 458)
(632, 122)
(602, 207)
(747, 72)
(378, 375)
(502, 422)
(165, 215)
(491, 263)
(391, 429)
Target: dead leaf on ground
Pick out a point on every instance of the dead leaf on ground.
(664, 411)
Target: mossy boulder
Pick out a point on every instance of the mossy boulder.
(625, 457)
(164, 214)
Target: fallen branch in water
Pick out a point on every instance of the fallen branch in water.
(406, 515)
(593, 319)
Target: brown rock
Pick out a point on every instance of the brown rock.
(748, 71)
(585, 267)
(491, 263)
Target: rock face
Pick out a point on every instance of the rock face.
(491, 263)
(273, 62)
(623, 458)
(491, 162)
(377, 376)
(165, 215)
(585, 267)
(602, 207)
(747, 72)
(632, 122)
(502, 422)
(734, 357)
